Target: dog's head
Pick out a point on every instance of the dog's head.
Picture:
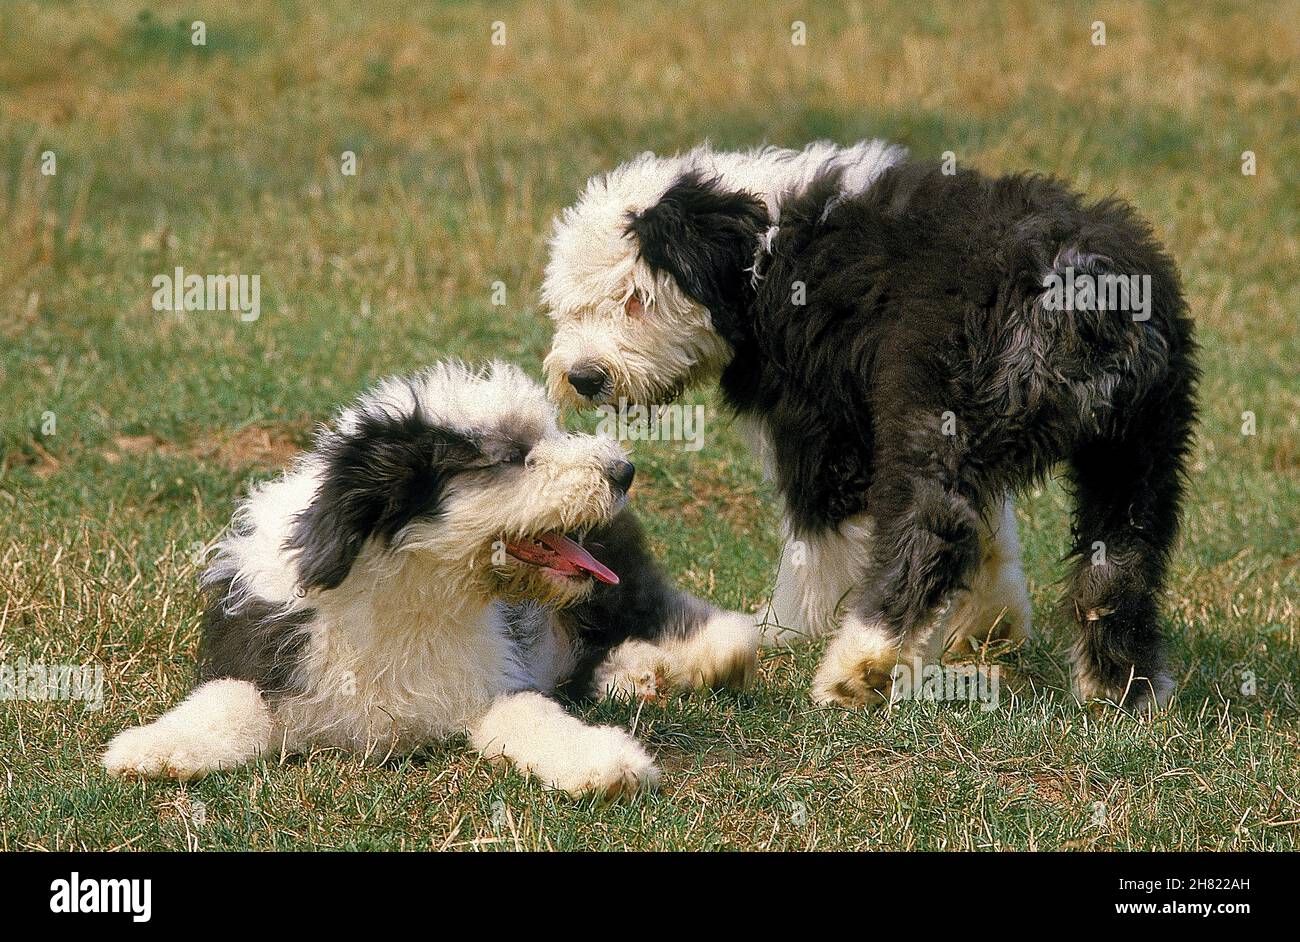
(651, 271)
(646, 275)
(467, 475)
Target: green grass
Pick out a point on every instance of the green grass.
(226, 159)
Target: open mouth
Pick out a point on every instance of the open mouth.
(557, 554)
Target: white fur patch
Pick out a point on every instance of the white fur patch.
(997, 604)
(723, 652)
(817, 579)
(538, 737)
(221, 724)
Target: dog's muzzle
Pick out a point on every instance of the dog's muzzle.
(621, 474)
(587, 380)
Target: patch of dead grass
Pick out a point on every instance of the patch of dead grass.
(256, 446)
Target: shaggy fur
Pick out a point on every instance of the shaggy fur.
(888, 336)
(392, 589)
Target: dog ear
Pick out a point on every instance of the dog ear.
(705, 237)
(377, 478)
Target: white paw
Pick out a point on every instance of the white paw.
(609, 764)
(154, 752)
(633, 670)
(857, 670)
(535, 734)
(724, 653)
(221, 724)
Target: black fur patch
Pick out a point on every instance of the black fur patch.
(256, 642)
(386, 473)
(643, 605)
(703, 236)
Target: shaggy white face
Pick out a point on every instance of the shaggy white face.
(512, 520)
(452, 483)
(625, 332)
(621, 332)
(516, 530)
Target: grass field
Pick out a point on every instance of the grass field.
(126, 433)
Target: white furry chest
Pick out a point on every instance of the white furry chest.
(376, 684)
(817, 578)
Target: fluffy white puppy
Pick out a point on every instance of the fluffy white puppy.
(443, 559)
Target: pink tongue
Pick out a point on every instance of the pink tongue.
(578, 557)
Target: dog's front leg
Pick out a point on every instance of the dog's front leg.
(535, 734)
(221, 724)
(717, 649)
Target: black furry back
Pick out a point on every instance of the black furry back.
(924, 297)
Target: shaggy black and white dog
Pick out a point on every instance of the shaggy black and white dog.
(443, 559)
(910, 347)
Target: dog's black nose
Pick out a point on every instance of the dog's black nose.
(587, 379)
(621, 475)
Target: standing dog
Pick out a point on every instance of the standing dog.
(904, 344)
(428, 569)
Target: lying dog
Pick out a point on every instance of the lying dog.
(904, 345)
(442, 559)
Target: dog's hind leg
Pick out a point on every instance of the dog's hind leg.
(996, 603)
(535, 734)
(221, 724)
(1127, 495)
(927, 544)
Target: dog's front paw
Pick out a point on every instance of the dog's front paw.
(633, 670)
(221, 724)
(724, 653)
(610, 764)
(864, 686)
(857, 670)
(150, 752)
(539, 738)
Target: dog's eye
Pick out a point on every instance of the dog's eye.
(501, 451)
(633, 307)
